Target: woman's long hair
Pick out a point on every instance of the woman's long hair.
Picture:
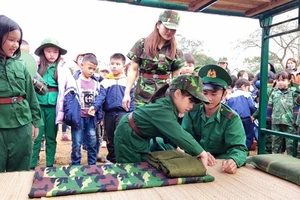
(151, 43)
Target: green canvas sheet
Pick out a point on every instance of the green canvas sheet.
(57, 181)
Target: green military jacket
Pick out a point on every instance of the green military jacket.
(222, 134)
(157, 119)
(283, 104)
(160, 64)
(16, 81)
(50, 98)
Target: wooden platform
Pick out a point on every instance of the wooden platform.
(247, 183)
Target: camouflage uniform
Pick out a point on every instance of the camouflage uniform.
(282, 104)
(159, 64)
(158, 119)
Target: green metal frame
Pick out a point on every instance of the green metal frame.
(266, 25)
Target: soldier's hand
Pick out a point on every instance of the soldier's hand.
(126, 102)
(204, 158)
(211, 160)
(229, 166)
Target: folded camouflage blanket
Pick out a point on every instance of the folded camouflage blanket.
(283, 166)
(67, 180)
(175, 163)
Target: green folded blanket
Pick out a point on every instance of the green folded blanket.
(283, 166)
(174, 163)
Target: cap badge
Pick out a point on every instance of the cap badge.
(212, 73)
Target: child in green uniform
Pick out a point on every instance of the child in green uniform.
(281, 106)
(19, 109)
(216, 127)
(159, 119)
(156, 59)
(55, 74)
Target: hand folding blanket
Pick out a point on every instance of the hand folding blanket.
(174, 163)
(67, 180)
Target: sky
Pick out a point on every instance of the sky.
(104, 28)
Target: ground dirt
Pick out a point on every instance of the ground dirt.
(63, 153)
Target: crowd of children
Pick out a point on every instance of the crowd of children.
(140, 106)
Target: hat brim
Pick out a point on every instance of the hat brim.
(201, 97)
(169, 25)
(213, 87)
(30, 63)
(38, 51)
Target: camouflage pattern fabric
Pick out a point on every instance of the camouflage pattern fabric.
(39, 84)
(160, 64)
(282, 166)
(283, 104)
(170, 19)
(58, 181)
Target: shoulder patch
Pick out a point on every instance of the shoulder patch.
(226, 111)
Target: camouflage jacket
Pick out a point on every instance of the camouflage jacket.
(160, 64)
(282, 106)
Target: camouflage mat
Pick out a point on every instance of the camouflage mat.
(58, 181)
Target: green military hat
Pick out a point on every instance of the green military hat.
(49, 42)
(30, 63)
(223, 60)
(170, 19)
(190, 83)
(214, 77)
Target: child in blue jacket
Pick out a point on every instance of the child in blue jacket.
(84, 96)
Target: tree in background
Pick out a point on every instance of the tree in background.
(281, 47)
(194, 47)
(253, 64)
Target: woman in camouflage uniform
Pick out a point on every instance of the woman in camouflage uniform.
(156, 59)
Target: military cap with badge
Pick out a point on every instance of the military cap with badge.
(214, 77)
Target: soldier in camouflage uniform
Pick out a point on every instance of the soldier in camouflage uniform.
(159, 119)
(281, 105)
(215, 126)
(156, 58)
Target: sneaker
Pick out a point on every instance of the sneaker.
(42, 146)
(65, 137)
(103, 144)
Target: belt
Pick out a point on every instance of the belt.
(133, 126)
(157, 76)
(11, 100)
(52, 89)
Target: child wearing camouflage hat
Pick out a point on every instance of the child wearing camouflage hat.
(159, 119)
(156, 59)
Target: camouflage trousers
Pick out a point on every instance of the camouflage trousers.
(281, 144)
